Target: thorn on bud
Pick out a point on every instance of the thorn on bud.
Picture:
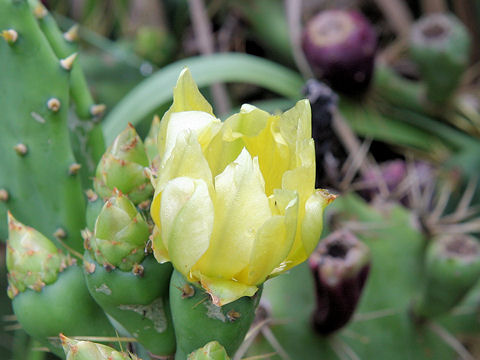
(67, 63)
(108, 267)
(71, 35)
(145, 205)
(40, 11)
(53, 104)
(187, 291)
(10, 36)
(117, 192)
(21, 149)
(91, 195)
(4, 196)
(97, 109)
(138, 270)
(60, 233)
(89, 267)
(233, 315)
(73, 169)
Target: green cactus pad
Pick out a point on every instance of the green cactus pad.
(452, 269)
(198, 321)
(123, 167)
(32, 75)
(120, 234)
(212, 351)
(33, 261)
(139, 303)
(91, 134)
(86, 350)
(63, 306)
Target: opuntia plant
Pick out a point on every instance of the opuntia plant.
(192, 237)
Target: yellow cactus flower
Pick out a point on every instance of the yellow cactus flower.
(234, 202)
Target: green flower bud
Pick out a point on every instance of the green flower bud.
(123, 167)
(120, 234)
(452, 269)
(33, 261)
(86, 350)
(212, 351)
(440, 45)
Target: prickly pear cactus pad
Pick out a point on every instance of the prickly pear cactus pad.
(38, 178)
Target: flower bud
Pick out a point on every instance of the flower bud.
(340, 46)
(212, 351)
(452, 268)
(123, 167)
(33, 261)
(440, 45)
(120, 234)
(86, 350)
(340, 267)
(43, 285)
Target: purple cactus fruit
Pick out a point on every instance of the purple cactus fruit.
(340, 267)
(340, 46)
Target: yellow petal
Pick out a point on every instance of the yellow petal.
(274, 239)
(296, 123)
(241, 208)
(159, 249)
(250, 121)
(273, 153)
(202, 124)
(301, 178)
(186, 97)
(224, 291)
(227, 144)
(311, 227)
(186, 215)
(186, 159)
